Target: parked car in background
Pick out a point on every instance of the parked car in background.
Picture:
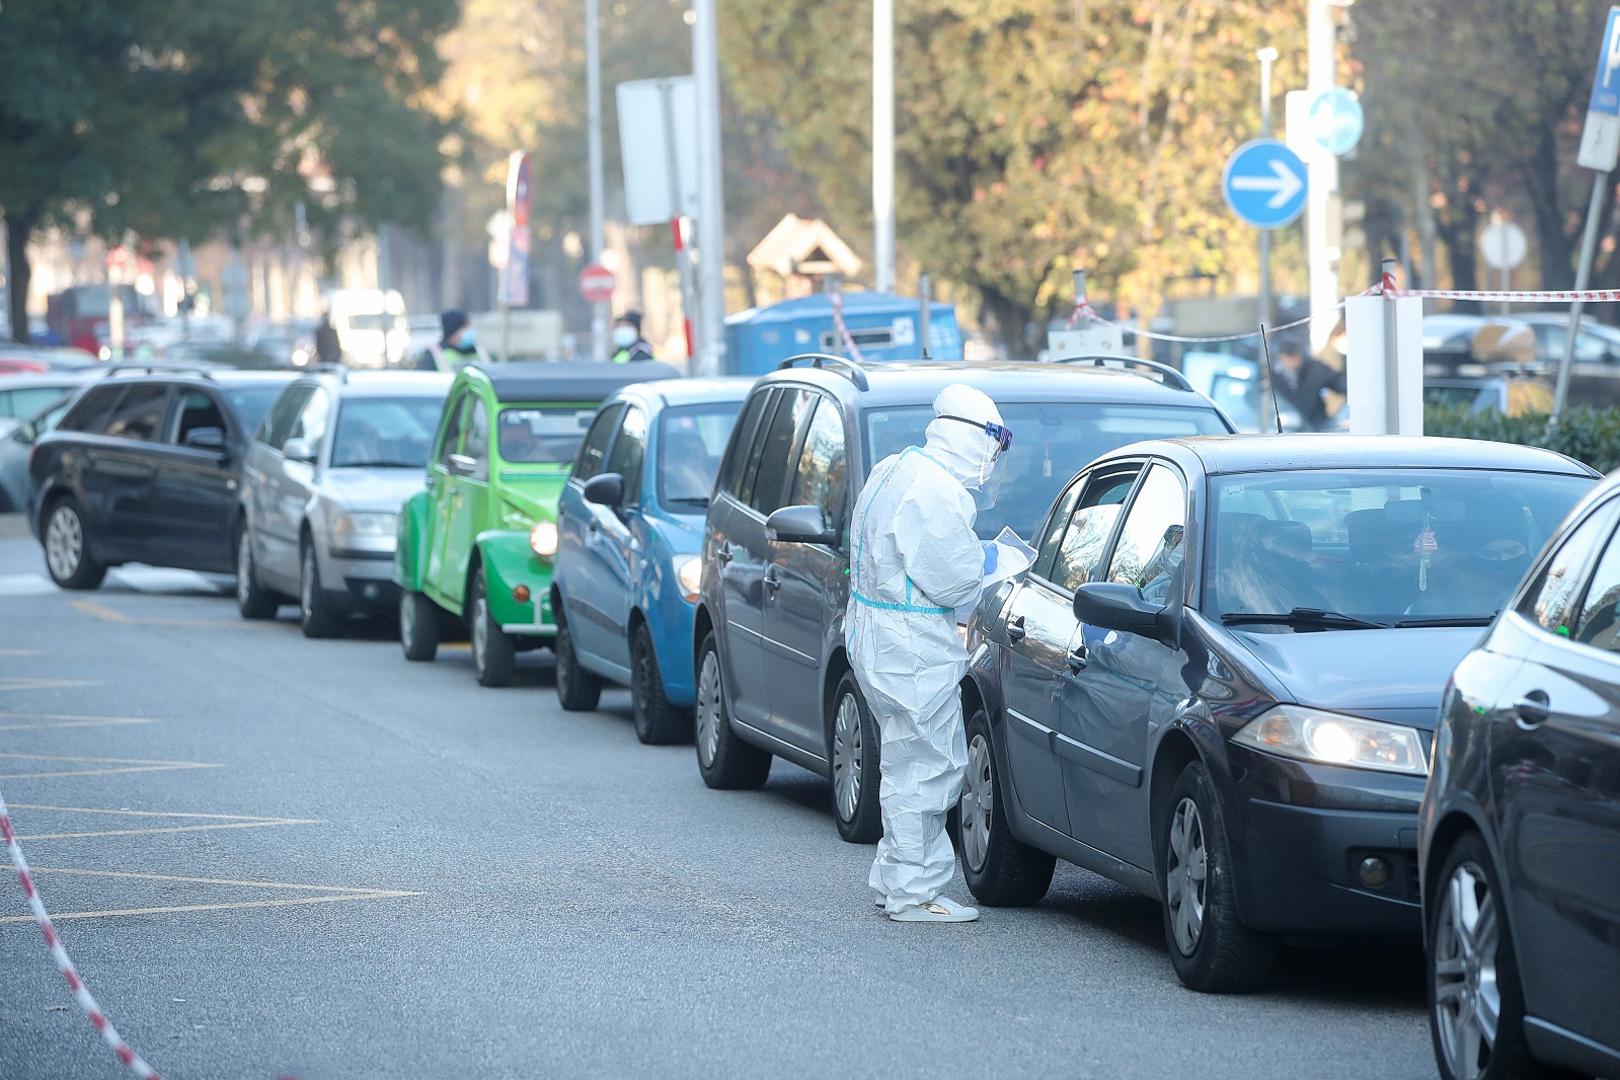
(24, 396)
(1482, 338)
(1479, 388)
(1596, 343)
(478, 544)
(40, 359)
(628, 564)
(145, 467)
(772, 673)
(16, 445)
(1216, 684)
(326, 474)
(1519, 841)
(1238, 387)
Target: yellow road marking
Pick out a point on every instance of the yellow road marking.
(27, 683)
(335, 894)
(120, 765)
(64, 720)
(112, 615)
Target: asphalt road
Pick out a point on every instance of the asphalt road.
(273, 857)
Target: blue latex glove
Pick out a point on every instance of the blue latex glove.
(989, 558)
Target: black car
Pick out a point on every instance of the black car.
(1520, 830)
(771, 672)
(1216, 683)
(145, 467)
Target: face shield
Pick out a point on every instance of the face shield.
(992, 466)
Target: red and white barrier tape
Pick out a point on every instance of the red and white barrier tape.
(81, 993)
(1566, 296)
(843, 331)
(1084, 310)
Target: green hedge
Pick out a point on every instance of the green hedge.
(1585, 434)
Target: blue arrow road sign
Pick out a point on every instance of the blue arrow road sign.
(1264, 184)
(1336, 121)
(1606, 86)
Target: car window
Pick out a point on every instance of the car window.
(250, 403)
(691, 440)
(1047, 544)
(1150, 548)
(476, 444)
(312, 419)
(544, 435)
(140, 413)
(197, 410)
(451, 440)
(93, 411)
(1550, 601)
(820, 478)
(742, 442)
(1590, 348)
(1599, 621)
(384, 432)
(27, 402)
(628, 451)
(593, 451)
(768, 490)
(1092, 523)
(279, 420)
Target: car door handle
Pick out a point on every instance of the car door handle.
(1533, 709)
(772, 582)
(1015, 628)
(1079, 657)
(722, 554)
(431, 482)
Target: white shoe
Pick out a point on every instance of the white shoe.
(939, 909)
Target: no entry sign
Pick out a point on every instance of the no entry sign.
(596, 283)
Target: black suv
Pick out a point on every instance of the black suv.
(145, 467)
(771, 672)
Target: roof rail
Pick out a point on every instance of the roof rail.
(844, 366)
(328, 367)
(1168, 375)
(156, 369)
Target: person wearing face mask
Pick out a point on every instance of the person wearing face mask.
(916, 561)
(457, 344)
(628, 344)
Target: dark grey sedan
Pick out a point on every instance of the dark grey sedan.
(1217, 683)
(1520, 837)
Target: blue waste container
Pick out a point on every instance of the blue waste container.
(884, 327)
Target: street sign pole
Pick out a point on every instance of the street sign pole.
(883, 143)
(711, 225)
(1600, 152)
(593, 99)
(1267, 56)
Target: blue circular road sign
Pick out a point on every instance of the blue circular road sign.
(1336, 120)
(1264, 184)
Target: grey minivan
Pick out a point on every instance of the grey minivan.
(325, 477)
(772, 678)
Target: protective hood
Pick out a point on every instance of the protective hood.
(964, 451)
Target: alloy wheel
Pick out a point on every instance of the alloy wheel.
(64, 542)
(1186, 867)
(978, 802)
(1467, 999)
(708, 708)
(846, 755)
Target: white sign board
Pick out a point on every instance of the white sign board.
(1600, 138)
(1503, 245)
(536, 334)
(1098, 339)
(658, 145)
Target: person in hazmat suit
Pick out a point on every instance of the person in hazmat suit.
(916, 560)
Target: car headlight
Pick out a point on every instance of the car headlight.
(689, 575)
(543, 539)
(368, 526)
(1336, 739)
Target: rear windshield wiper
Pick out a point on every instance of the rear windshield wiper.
(1303, 616)
(1447, 620)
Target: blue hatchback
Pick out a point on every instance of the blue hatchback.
(631, 526)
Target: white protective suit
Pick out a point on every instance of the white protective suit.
(915, 561)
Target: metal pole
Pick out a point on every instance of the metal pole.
(925, 300)
(593, 98)
(711, 192)
(672, 165)
(1594, 210)
(1392, 402)
(1266, 56)
(883, 142)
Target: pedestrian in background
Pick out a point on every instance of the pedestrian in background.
(328, 349)
(1302, 380)
(628, 343)
(457, 345)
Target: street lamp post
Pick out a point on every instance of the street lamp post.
(883, 143)
(593, 99)
(1267, 57)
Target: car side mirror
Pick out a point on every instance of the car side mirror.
(606, 489)
(298, 450)
(1123, 608)
(800, 525)
(205, 438)
(463, 464)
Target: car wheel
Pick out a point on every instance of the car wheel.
(1476, 1004)
(315, 612)
(657, 721)
(578, 690)
(852, 738)
(1210, 949)
(725, 761)
(1000, 869)
(252, 599)
(67, 548)
(418, 626)
(492, 648)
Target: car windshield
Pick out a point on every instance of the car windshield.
(1381, 545)
(544, 435)
(252, 402)
(391, 432)
(1051, 442)
(691, 439)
